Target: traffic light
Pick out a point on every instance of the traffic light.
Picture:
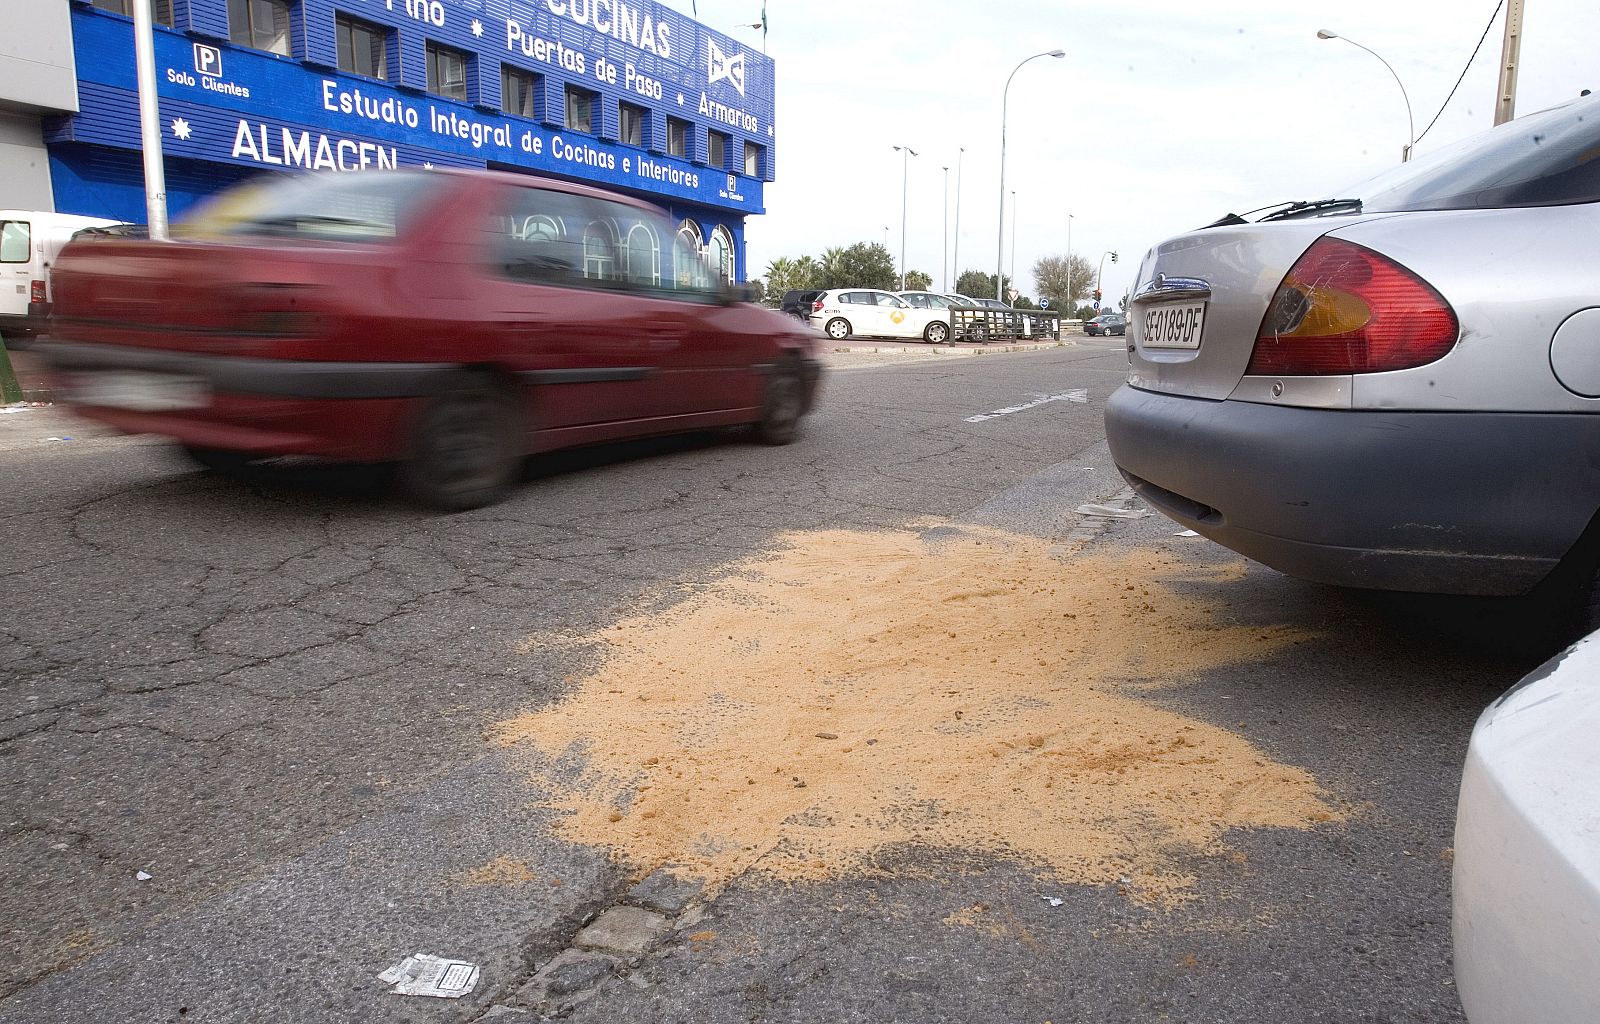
(1097, 295)
(1113, 257)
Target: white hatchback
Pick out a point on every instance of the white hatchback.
(842, 312)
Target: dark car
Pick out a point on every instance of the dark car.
(1106, 323)
(452, 322)
(797, 302)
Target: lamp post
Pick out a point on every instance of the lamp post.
(1072, 298)
(955, 255)
(1000, 240)
(1411, 128)
(1013, 239)
(906, 153)
(944, 247)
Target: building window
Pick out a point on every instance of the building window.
(719, 253)
(447, 72)
(753, 156)
(363, 48)
(580, 109)
(162, 9)
(677, 137)
(517, 91)
(716, 149)
(260, 24)
(633, 122)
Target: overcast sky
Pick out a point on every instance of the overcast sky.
(1163, 116)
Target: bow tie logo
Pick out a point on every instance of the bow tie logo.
(720, 66)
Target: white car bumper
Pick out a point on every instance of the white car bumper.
(1527, 855)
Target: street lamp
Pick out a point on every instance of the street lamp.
(1411, 128)
(1071, 298)
(1013, 238)
(955, 254)
(1000, 241)
(944, 247)
(906, 153)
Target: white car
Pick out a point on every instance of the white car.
(843, 312)
(1527, 853)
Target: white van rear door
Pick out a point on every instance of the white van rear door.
(16, 266)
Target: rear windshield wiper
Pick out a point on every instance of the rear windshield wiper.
(1317, 206)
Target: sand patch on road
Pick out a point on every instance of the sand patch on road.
(959, 688)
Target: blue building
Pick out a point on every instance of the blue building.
(625, 94)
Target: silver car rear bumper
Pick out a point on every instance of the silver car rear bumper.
(1465, 503)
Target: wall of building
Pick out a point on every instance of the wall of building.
(24, 164)
(228, 110)
(38, 77)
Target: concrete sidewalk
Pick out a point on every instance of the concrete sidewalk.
(30, 374)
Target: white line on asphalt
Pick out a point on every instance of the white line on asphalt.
(1079, 395)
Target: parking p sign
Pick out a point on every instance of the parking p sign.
(207, 60)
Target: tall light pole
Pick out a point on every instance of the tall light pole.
(1505, 92)
(1411, 128)
(955, 255)
(1013, 238)
(1000, 240)
(944, 248)
(906, 153)
(1072, 298)
(155, 174)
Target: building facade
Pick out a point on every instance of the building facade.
(625, 94)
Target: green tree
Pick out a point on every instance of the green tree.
(862, 265)
(1051, 275)
(917, 281)
(977, 284)
(1023, 302)
(785, 274)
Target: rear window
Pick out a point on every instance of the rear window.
(15, 241)
(1551, 158)
(371, 206)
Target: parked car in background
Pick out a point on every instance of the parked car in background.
(843, 312)
(1526, 918)
(797, 302)
(30, 242)
(1356, 391)
(446, 320)
(1106, 323)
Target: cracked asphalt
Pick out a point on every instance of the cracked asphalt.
(270, 697)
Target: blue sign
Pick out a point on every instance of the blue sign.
(248, 107)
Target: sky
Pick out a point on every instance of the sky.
(1163, 116)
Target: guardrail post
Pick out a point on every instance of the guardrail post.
(10, 390)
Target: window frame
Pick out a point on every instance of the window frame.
(755, 157)
(27, 240)
(715, 141)
(125, 8)
(678, 131)
(249, 39)
(590, 100)
(347, 25)
(433, 55)
(641, 116)
(511, 73)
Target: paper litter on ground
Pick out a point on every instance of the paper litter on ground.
(1186, 533)
(1112, 512)
(423, 974)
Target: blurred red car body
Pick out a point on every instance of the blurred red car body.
(453, 322)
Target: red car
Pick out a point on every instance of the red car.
(452, 322)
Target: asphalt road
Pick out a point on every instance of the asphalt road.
(276, 699)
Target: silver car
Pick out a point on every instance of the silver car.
(1398, 387)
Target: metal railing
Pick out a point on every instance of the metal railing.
(983, 324)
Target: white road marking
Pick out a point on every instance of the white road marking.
(1079, 395)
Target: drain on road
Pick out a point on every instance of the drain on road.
(951, 687)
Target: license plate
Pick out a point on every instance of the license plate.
(1174, 325)
(141, 390)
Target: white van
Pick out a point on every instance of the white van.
(30, 240)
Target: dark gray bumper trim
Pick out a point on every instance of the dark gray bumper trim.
(237, 375)
(586, 375)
